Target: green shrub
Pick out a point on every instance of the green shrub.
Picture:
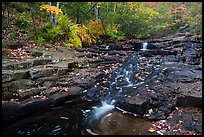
(23, 20)
(53, 35)
(73, 36)
(64, 23)
(40, 39)
(112, 31)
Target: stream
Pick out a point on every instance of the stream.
(89, 117)
(98, 113)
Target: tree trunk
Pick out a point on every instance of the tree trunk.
(114, 7)
(32, 16)
(96, 11)
(51, 16)
(77, 20)
(55, 21)
(107, 8)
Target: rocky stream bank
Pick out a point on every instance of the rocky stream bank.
(162, 84)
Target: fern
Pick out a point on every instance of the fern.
(53, 34)
(64, 23)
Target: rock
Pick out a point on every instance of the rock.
(134, 104)
(42, 72)
(18, 84)
(73, 92)
(62, 71)
(26, 93)
(25, 64)
(37, 53)
(80, 82)
(190, 119)
(115, 47)
(137, 46)
(19, 65)
(12, 112)
(194, 100)
(41, 81)
(41, 61)
(49, 84)
(8, 75)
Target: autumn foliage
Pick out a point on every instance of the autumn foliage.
(95, 29)
(118, 20)
(84, 36)
(53, 9)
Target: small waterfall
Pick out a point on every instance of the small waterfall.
(144, 46)
(103, 109)
(122, 79)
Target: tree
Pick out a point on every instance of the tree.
(51, 16)
(96, 11)
(55, 21)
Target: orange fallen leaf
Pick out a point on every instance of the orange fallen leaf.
(151, 129)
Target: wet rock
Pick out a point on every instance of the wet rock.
(73, 92)
(137, 45)
(26, 93)
(190, 100)
(188, 75)
(163, 52)
(12, 111)
(134, 104)
(91, 93)
(167, 105)
(187, 120)
(115, 47)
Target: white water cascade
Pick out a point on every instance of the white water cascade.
(144, 46)
(104, 108)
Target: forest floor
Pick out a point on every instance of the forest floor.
(38, 77)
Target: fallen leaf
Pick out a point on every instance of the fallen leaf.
(151, 129)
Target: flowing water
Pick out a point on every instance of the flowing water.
(80, 119)
(144, 46)
(84, 118)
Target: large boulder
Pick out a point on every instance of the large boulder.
(135, 104)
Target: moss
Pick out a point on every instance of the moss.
(73, 65)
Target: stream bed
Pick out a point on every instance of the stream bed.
(125, 100)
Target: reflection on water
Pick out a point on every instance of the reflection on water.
(66, 120)
(118, 123)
